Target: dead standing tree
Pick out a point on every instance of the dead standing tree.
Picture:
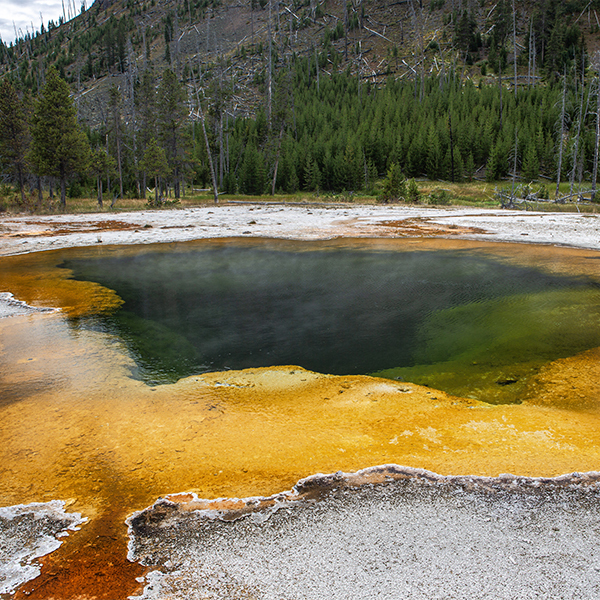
(561, 133)
(596, 67)
(199, 114)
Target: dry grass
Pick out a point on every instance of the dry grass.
(473, 193)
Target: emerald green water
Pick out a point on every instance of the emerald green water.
(457, 320)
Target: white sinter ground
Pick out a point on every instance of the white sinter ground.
(27, 532)
(451, 538)
(22, 234)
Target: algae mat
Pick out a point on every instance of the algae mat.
(75, 426)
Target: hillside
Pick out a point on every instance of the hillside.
(320, 96)
(373, 39)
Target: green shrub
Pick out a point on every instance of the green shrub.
(412, 192)
(75, 190)
(394, 185)
(439, 196)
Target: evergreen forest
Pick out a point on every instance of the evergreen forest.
(471, 91)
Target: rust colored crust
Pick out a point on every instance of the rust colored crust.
(94, 567)
(316, 486)
(424, 227)
(67, 228)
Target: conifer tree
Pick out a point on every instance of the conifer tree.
(146, 113)
(100, 164)
(59, 147)
(14, 134)
(312, 175)
(156, 165)
(394, 185)
(253, 173)
(531, 164)
(171, 119)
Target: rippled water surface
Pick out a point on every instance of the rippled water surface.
(455, 319)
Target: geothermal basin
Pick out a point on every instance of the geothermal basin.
(463, 360)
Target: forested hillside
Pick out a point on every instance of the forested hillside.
(262, 97)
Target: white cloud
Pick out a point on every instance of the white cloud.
(25, 12)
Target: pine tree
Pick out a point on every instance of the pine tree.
(100, 164)
(156, 165)
(146, 115)
(14, 134)
(531, 164)
(470, 167)
(497, 164)
(59, 147)
(434, 158)
(412, 192)
(171, 120)
(394, 185)
(312, 175)
(253, 172)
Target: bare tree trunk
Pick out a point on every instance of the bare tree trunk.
(221, 150)
(270, 74)
(107, 168)
(514, 14)
(529, 54)
(451, 148)
(500, 89)
(597, 144)
(345, 31)
(176, 36)
(561, 133)
(277, 159)
(120, 166)
(39, 188)
(533, 58)
(577, 138)
(512, 193)
(131, 85)
(208, 30)
(146, 57)
(210, 160)
(418, 26)
(200, 114)
(317, 63)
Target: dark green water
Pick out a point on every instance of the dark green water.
(432, 317)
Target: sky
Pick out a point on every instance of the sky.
(24, 12)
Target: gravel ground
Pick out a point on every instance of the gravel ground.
(24, 234)
(412, 538)
(27, 532)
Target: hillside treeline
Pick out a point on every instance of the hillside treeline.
(316, 132)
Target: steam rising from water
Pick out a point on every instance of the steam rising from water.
(341, 311)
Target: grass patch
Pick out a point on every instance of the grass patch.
(432, 193)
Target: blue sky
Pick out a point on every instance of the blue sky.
(24, 12)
